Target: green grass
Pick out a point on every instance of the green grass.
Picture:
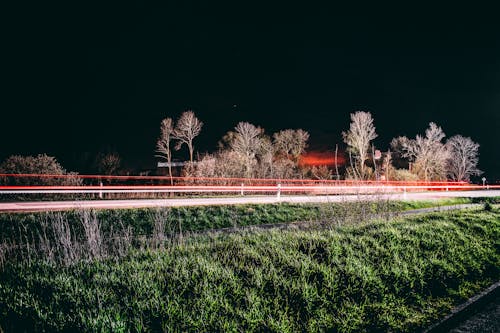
(28, 225)
(417, 204)
(383, 276)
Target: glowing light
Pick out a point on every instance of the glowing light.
(211, 181)
(321, 158)
(341, 188)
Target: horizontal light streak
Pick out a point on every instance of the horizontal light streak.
(233, 189)
(224, 179)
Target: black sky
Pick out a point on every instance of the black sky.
(82, 79)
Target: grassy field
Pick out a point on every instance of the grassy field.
(383, 276)
(191, 219)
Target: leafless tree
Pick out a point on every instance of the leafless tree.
(188, 127)
(427, 152)
(222, 164)
(321, 172)
(230, 164)
(225, 142)
(462, 158)
(284, 168)
(246, 143)
(358, 138)
(291, 143)
(265, 157)
(108, 163)
(163, 149)
(337, 175)
(206, 166)
(386, 164)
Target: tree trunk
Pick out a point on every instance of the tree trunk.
(170, 173)
(336, 163)
(190, 146)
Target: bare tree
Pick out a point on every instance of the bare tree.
(386, 164)
(163, 144)
(230, 164)
(337, 176)
(206, 166)
(188, 127)
(427, 152)
(358, 138)
(462, 158)
(265, 156)
(321, 172)
(284, 168)
(246, 143)
(291, 143)
(108, 163)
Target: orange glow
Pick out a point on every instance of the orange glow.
(318, 158)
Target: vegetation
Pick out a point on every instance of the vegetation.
(382, 276)
(108, 163)
(140, 222)
(40, 164)
(358, 140)
(188, 127)
(247, 152)
(163, 143)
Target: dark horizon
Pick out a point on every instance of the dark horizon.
(89, 79)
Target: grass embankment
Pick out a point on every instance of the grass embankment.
(191, 219)
(384, 276)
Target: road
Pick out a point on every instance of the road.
(485, 319)
(478, 314)
(177, 202)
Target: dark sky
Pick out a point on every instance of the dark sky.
(82, 79)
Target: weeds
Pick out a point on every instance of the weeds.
(144, 270)
(382, 276)
(70, 236)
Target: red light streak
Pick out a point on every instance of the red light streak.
(315, 189)
(239, 180)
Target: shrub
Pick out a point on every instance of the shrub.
(40, 165)
(403, 175)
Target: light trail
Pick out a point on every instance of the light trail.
(314, 189)
(224, 185)
(35, 206)
(223, 179)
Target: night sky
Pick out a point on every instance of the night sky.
(83, 79)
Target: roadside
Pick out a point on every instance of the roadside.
(480, 314)
(181, 202)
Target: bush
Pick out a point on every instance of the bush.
(403, 175)
(40, 165)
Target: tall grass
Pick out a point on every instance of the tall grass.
(381, 276)
(69, 236)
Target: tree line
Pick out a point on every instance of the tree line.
(248, 152)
